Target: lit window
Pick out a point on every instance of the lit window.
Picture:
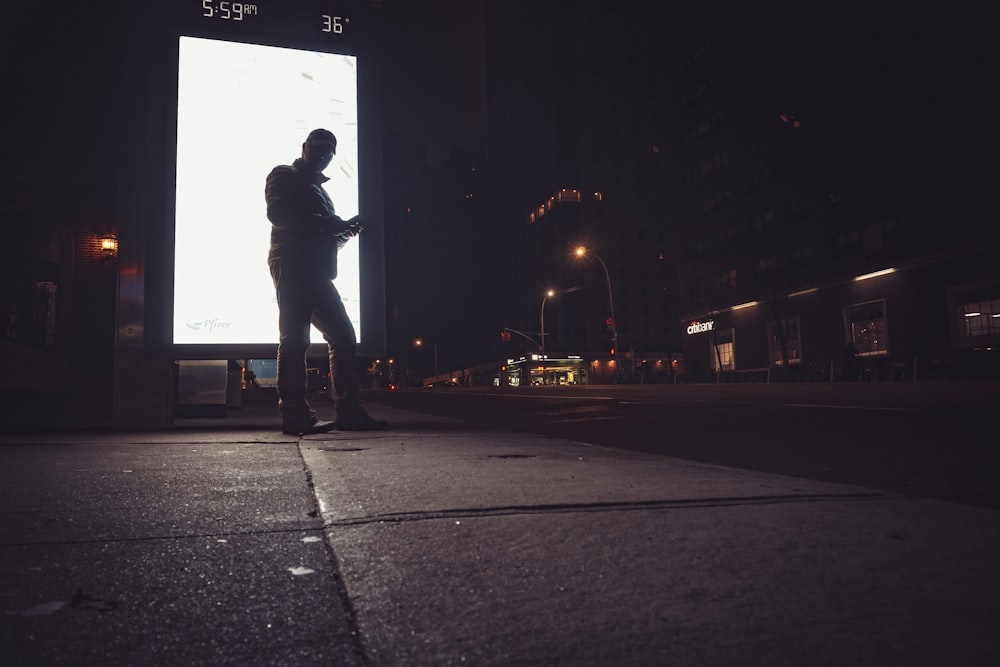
(981, 318)
(790, 330)
(867, 328)
(723, 351)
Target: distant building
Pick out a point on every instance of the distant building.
(443, 259)
(820, 230)
(770, 197)
(579, 128)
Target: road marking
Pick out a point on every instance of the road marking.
(849, 407)
(560, 397)
(571, 420)
(575, 410)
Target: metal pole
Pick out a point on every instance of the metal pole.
(543, 324)
(549, 293)
(611, 303)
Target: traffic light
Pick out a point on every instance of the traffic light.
(505, 336)
(607, 323)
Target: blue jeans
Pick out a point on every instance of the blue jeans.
(306, 297)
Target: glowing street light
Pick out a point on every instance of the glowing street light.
(548, 295)
(419, 344)
(581, 251)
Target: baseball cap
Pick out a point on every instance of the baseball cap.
(321, 136)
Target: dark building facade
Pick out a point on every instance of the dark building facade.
(86, 182)
(823, 230)
(772, 197)
(579, 127)
(442, 260)
(60, 216)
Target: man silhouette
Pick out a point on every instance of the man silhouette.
(306, 234)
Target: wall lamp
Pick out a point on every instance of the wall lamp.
(109, 245)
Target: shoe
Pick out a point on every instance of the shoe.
(352, 417)
(362, 424)
(315, 426)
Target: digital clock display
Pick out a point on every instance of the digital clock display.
(239, 11)
(228, 11)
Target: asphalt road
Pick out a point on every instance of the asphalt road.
(933, 440)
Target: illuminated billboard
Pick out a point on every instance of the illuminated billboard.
(242, 109)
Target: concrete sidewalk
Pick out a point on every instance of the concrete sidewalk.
(436, 544)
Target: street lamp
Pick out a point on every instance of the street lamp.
(419, 343)
(581, 251)
(549, 294)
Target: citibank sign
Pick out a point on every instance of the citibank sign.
(701, 327)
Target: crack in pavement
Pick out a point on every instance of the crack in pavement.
(620, 506)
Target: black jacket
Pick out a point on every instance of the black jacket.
(304, 227)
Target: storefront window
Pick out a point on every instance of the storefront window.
(982, 318)
(792, 354)
(867, 328)
(723, 351)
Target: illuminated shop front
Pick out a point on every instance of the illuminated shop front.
(540, 370)
(925, 321)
